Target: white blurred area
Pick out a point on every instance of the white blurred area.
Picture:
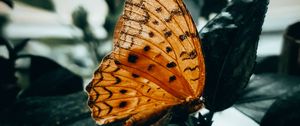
(53, 33)
(38, 24)
(29, 21)
(280, 15)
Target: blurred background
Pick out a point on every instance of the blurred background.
(75, 35)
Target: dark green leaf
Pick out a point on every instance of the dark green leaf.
(212, 6)
(115, 9)
(68, 110)
(261, 93)
(3, 22)
(115, 6)
(80, 18)
(47, 78)
(285, 111)
(8, 86)
(21, 45)
(43, 4)
(8, 3)
(229, 44)
(267, 64)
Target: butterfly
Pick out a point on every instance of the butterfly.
(156, 64)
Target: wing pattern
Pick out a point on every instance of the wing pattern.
(156, 63)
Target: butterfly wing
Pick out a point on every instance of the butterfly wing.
(159, 40)
(116, 94)
(156, 63)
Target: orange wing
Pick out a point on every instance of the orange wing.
(161, 35)
(116, 94)
(156, 63)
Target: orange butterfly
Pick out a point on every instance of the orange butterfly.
(156, 64)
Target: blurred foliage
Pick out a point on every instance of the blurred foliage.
(115, 9)
(8, 80)
(267, 64)
(79, 17)
(8, 2)
(263, 90)
(59, 80)
(3, 21)
(195, 8)
(42, 4)
(115, 6)
(212, 6)
(80, 20)
(285, 111)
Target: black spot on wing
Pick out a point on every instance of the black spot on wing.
(168, 34)
(151, 34)
(122, 104)
(168, 49)
(150, 67)
(148, 90)
(182, 37)
(135, 75)
(172, 78)
(171, 65)
(155, 22)
(117, 62)
(158, 9)
(146, 48)
(123, 91)
(132, 58)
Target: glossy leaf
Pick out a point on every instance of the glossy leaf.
(262, 92)
(267, 64)
(285, 111)
(212, 6)
(21, 45)
(67, 110)
(47, 78)
(229, 43)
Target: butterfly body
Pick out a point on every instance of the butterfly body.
(156, 65)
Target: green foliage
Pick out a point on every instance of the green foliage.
(79, 17)
(115, 9)
(43, 4)
(212, 6)
(3, 21)
(9, 3)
